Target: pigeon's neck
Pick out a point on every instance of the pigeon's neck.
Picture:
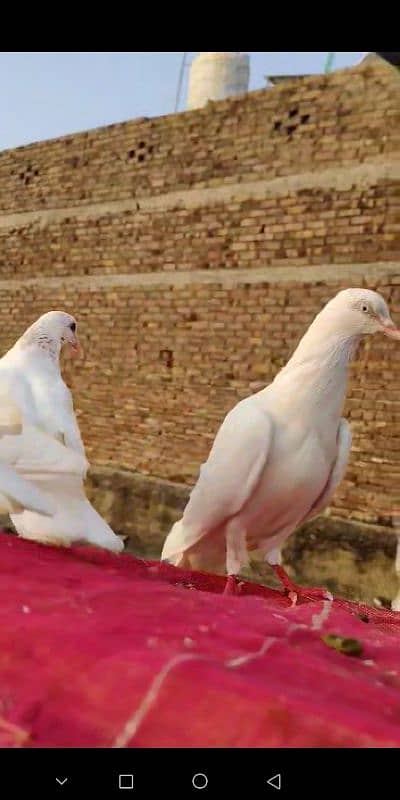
(39, 342)
(333, 351)
(317, 373)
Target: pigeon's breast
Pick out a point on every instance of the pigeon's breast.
(47, 402)
(295, 475)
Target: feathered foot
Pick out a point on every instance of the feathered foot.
(296, 592)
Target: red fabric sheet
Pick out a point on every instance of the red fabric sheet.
(98, 650)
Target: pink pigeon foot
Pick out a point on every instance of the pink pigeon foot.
(296, 592)
(231, 586)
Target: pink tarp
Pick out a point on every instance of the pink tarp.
(99, 650)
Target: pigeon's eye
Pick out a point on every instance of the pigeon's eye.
(73, 326)
(365, 309)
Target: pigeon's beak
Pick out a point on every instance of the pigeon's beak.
(390, 329)
(74, 347)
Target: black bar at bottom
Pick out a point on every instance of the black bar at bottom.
(191, 773)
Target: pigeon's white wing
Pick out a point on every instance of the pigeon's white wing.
(234, 467)
(36, 461)
(18, 494)
(23, 445)
(27, 457)
(42, 398)
(34, 453)
(59, 471)
(344, 440)
(17, 402)
(55, 406)
(68, 423)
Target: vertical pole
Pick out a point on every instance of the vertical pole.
(329, 61)
(180, 81)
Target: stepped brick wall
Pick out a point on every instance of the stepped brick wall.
(195, 249)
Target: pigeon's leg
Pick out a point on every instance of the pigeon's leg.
(293, 590)
(231, 586)
(236, 554)
(296, 592)
(396, 601)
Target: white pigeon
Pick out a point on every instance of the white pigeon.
(280, 454)
(49, 454)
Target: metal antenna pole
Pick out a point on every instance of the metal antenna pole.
(180, 81)
(329, 61)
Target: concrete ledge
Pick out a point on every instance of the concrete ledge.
(389, 271)
(137, 506)
(339, 178)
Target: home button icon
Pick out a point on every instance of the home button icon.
(200, 781)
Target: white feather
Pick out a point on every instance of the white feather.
(47, 453)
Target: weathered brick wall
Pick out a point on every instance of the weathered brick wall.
(348, 117)
(195, 250)
(312, 225)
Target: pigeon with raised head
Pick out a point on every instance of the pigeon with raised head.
(280, 454)
(49, 453)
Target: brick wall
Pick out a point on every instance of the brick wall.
(317, 225)
(348, 117)
(195, 250)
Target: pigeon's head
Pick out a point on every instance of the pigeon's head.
(64, 329)
(362, 311)
(53, 331)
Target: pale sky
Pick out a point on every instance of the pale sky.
(44, 95)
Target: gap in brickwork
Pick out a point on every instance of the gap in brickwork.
(290, 122)
(167, 357)
(141, 153)
(27, 174)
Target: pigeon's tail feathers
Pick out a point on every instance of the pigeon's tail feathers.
(188, 548)
(175, 545)
(75, 519)
(99, 532)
